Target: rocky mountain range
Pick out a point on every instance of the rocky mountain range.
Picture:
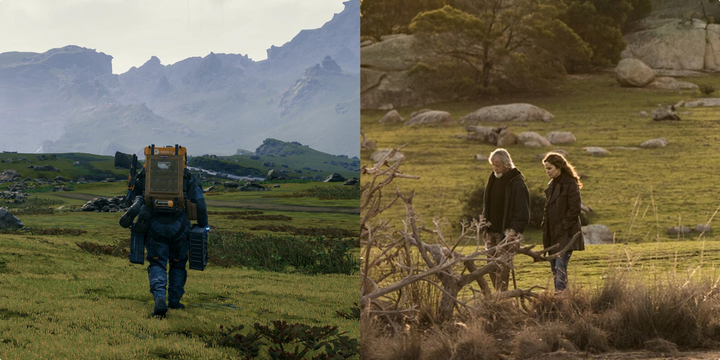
(67, 99)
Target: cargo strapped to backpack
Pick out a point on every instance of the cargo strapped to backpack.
(167, 180)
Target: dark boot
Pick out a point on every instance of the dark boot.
(127, 219)
(176, 305)
(160, 307)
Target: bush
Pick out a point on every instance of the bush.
(290, 341)
(473, 204)
(707, 89)
(275, 253)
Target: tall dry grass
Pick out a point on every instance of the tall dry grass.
(624, 313)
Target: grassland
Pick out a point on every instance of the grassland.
(637, 193)
(96, 166)
(59, 301)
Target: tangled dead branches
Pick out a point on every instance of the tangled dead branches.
(394, 260)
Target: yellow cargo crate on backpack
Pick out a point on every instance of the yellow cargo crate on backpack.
(166, 180)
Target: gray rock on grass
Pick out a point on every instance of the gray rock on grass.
(8, 220)
(517, 112)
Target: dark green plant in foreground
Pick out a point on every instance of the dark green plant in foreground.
(285, 341)
(352, 314)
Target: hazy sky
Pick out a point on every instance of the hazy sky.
(132, 31)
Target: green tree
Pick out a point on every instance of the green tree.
(508, 43)
(600, 23)
(384, 17)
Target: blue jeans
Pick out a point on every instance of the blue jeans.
(559, 271)
(158, 254)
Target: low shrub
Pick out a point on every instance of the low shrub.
(312, 231)
(289, 341)
(275, 253)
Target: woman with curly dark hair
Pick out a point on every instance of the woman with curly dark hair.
(561, 217)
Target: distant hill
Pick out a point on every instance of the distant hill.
(73, 103)
(90, 167)
(295, 159)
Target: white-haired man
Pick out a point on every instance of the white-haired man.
(506, 205)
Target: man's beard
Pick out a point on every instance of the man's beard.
(498, 175)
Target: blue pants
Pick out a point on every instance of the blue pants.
(559, 271)
(158, 254)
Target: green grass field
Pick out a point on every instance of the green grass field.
(637, 193)
(59, 301)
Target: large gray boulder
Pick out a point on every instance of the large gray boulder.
(431, 117)
(384, 77)
(392, 117)
(486, 134)
(666, 44)
(654, 143)
(9, 175)
(596, 151)
(334, 177)
(506, 138)
(597, 234)
(8, 220)
(703, 102)
(560, 137)
(668, 83)
(45, 168)
(531, 139)
(518, 112)
(633, 72)
(275, 174)
(664, 113)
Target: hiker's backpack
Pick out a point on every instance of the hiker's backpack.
(167, 180)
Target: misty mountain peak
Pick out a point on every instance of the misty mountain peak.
(153, 62)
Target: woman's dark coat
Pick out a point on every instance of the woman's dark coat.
(561, 218)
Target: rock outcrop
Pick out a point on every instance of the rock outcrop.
(518, 112)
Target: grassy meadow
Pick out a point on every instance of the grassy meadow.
(638, 193)
(60, 301)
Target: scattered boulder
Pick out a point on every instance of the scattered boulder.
(517, 112)
(506, 138)
(633, 72)
(211, 188)
(484, 134)
(378, 155)
(480, 157)
(251, 186)
(596, 151)
(392, 117)
(654, 143)
(61, 188)
(275, 174)
(678, 230)
(45, 168)
(353, 181)
(109, 180)
(597, 234)
(334, 177)
(431, 117)
(268, 164)
(388, 106)
(9, 175)
(231, 185)
(101, 204)
(276, 185)
(702, 228)
(668, 83)
(123, 160)
(703, 102)
(60, 179)
(532, 139)
(560, 137)
(664, 113)
(77, 163)
(317, 177)
(8, 220)
(367, 144)
(643, 114)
